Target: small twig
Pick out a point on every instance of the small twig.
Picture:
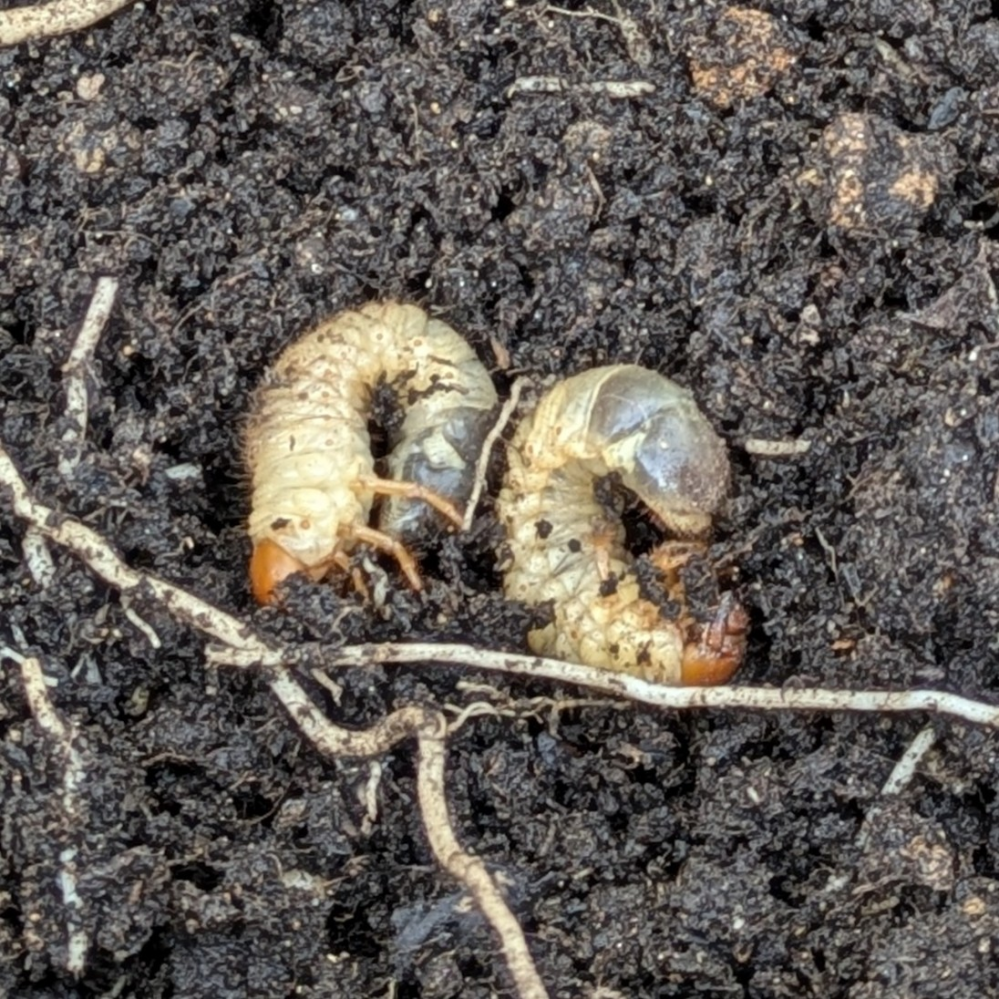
(77, 368)
(60, 17)
(482, 466)
(38, 558)
(763, 448)
(63, 737)
(616, 89)
(904, 770)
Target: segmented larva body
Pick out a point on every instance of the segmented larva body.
(309, 450)
(635, 424)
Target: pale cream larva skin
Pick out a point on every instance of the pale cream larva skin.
(562, 542)
(308, 444)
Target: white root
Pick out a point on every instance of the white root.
(59, 17)
(62, 737)
(429, 727)
(655, 695)
(78, 367)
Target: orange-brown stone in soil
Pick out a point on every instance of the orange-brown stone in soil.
(867, 174)
(742, 56)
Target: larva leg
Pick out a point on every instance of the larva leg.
(377, 539)
(604, 540)
(673, 555)
(411, 490)
(342, 561)
(669, 558)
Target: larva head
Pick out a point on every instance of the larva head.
(270, 565)
(663, 447)
(718, 651)
(441, 457)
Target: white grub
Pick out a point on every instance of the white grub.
(566, 548)
(308, 445)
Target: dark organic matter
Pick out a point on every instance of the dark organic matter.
(809, 245)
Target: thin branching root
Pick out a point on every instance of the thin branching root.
(428, 727)
(232, 643)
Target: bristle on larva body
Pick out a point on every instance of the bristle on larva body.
(564, 547)
(307, 442)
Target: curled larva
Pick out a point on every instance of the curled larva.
(647, 432)
(309, 450)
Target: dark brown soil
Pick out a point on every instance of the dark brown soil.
(799, 224)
